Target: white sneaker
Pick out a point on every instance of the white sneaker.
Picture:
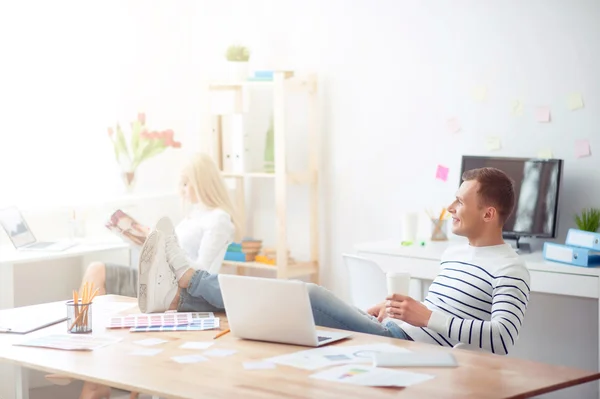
(176, 257)
(157, 285)
(165, 225)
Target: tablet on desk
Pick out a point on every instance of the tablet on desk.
(25, 320)
(414, 359)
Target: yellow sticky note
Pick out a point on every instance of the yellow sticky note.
(545, 153)
(479, 93)
(575, 101)
(517, 107)
(493, 143)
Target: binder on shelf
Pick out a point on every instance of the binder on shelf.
(584, 239)
(571, 255)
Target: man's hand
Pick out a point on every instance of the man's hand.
(378, 311)
(405, 308)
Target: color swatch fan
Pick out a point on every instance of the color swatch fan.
(169, 319)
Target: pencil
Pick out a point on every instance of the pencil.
(222, 333)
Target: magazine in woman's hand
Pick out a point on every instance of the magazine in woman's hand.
(127, 228)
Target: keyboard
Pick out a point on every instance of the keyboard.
(40, 245)
(321, 339)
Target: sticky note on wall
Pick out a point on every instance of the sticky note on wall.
(517, 107)
(441, 173)
(582, 148)
(479, 93)
(542, 114)
(545, 153)
(493, 143)
(453, 125)
(575, 101)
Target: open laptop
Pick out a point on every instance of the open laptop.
(272, 310)
(21, 235)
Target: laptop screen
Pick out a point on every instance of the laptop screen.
(15, 226)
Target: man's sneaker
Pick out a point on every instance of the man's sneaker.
(157, 285)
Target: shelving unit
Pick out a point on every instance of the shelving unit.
(283, 81)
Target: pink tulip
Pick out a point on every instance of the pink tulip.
(142, 118)
(145, 134)
(169, 134)
(176, 144)
(110, 132)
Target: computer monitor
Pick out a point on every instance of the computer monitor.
(537, 186)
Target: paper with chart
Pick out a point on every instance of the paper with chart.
(70, 342)
(158, 319)
(313, 359)
(371, 376)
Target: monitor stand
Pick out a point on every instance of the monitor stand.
(522, 248)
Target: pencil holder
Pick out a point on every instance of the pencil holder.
(439, 229)
(79, 317)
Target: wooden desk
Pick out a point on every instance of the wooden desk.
(423, 262)
(479, 374)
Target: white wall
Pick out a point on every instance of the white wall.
(392, 72)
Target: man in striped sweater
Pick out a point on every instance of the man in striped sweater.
(479, 297)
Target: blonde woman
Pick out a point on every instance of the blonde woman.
(204, 234)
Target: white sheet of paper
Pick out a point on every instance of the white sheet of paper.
(189, 359)
(371, 376)
(146, 352)
(259, 365)
(150, 341)
(219, 352)
(313, 359)
(197, 345)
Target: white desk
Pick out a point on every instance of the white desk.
(10, 259)
(423, 263)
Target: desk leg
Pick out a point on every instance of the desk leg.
(14, 382)
(7, 286)
(21, 383)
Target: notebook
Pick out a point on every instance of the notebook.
(200, 325)
(27, 319)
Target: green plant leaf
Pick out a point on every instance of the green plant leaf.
(151, 149)
(136, 130)
(588, 220)
(121, 142)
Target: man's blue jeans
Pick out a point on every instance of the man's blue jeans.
(204, 295)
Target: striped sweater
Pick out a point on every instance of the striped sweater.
(479, 298)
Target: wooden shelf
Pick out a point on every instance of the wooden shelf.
(226, 122)
(296, 270)
(294, 178)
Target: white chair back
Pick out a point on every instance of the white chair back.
(368, 285)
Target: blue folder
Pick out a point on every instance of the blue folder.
(571, 255)
(584, 239)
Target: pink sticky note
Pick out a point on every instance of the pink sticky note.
(542, 114)
(441, 173)
(582, 149)
(453, 125)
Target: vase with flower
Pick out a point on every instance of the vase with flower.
(140, 145)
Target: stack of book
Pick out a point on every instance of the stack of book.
(269, 257)
(245, 251)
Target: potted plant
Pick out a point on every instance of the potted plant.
(237, 62)
(140, 146)
(588, 220)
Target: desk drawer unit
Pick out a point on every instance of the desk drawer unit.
(564, 284)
